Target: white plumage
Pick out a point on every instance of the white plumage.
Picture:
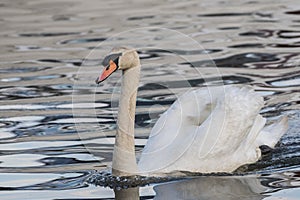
(208, 130)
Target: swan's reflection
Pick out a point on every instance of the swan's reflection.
(127, 194)
(204, 188)
(232, 188)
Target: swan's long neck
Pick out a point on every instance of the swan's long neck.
(124, 160)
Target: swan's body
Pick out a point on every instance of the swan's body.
(209, 130)
(206, 130)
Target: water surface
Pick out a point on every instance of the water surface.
(57, 126)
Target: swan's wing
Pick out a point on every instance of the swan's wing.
(175, 130)
(226, 140)
(231, 121)
(207, 130)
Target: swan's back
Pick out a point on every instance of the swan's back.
(208, 130)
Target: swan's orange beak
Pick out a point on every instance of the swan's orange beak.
(111, 68)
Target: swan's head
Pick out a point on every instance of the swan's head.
(121, 58)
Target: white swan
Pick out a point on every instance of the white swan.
(207, 130)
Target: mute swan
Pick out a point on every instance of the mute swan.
(206, 130)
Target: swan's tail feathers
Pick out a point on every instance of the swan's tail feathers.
(270, 135)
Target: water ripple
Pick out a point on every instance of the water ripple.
(13, 70)
(45, 43)
(57, 181)
(238, 60)
(263, 33)
(47, 34)
(292, 81)
(82, 40)
(28, 92)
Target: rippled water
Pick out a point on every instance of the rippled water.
(57, 126)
